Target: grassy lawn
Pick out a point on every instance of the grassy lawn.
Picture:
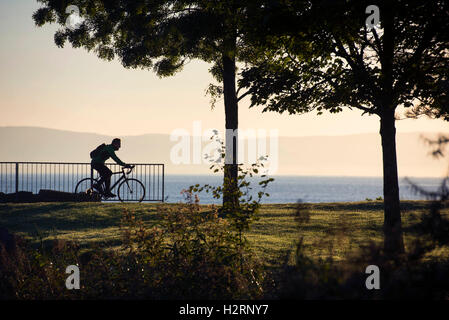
(333, 227)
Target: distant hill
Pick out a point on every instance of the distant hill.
(350, 155)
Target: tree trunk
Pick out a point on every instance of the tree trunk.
(393, 241)
(230, 192)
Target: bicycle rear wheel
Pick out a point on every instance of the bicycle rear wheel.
(131, 190)
(85, 185)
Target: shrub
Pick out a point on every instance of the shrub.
(193, 254)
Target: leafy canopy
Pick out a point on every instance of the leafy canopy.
(320, 55)
(154, 34)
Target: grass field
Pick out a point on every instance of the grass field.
(338, 228)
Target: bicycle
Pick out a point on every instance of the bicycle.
(126, 187)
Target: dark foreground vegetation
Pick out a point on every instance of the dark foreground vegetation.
(189, 251)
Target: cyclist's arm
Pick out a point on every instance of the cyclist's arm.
(115, 158)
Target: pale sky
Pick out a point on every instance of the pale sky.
(71, 89)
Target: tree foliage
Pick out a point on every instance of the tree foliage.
(158, 35)
(320, 56)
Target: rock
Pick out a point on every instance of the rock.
(21, 196)
(55, 196)
(58, 196)
(48, 196)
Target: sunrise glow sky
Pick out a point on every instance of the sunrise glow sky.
(71, 89)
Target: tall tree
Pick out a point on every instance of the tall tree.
(163, 36)
(326, 55)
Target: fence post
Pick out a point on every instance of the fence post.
(91, 176)
(17, 177)
(163, 182)
(17, 182)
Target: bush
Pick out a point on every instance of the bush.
(193, 255)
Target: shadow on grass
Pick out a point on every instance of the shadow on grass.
(35, 209)
(51, 218)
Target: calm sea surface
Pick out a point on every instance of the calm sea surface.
(284, 189)
(289, 189)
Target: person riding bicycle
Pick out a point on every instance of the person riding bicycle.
(99, 157)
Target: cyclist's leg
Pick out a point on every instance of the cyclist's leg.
(105, 175)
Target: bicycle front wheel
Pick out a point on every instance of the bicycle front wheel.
(131, 190)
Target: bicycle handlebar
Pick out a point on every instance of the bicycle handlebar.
(131, 167)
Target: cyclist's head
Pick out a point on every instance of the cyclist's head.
(116, 143)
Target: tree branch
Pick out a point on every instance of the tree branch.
(243, 95)
(377, 42)
(359, 70)
(414, 59)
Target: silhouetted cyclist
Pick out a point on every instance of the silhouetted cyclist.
(99, 157)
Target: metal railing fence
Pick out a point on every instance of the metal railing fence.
(60, 176)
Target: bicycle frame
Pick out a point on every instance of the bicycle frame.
(124, 176)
